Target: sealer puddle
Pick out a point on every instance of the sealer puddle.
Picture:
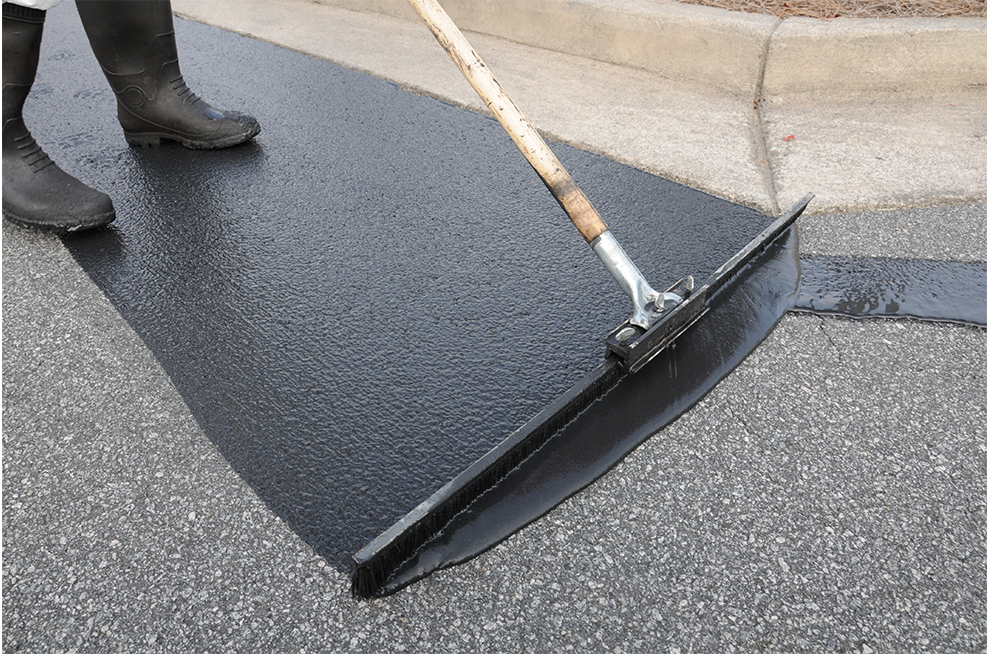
(944, 291)
(741, 316)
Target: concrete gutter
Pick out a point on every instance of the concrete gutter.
(728, 51)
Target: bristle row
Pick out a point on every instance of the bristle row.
(371, 577)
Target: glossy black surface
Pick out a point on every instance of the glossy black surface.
(946, 291)
(373, 294)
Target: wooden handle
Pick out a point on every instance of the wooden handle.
(536, 152)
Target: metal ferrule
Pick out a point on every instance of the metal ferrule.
(644, 298)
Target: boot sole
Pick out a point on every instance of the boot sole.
(154, 139)
(61, 229)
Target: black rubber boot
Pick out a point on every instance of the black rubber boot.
(134, 41)
(36, 192)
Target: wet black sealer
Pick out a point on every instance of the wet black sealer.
(354, 317)
(372, 295)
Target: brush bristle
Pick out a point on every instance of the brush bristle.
(371, 577)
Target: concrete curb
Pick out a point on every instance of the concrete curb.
(734, 53)
(902, 55)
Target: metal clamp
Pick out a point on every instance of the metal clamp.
(648, 304)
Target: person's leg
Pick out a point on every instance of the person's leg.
(36, 192)
(134, 41)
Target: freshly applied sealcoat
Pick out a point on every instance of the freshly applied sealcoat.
(374, 294)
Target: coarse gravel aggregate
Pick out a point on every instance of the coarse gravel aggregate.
(943, 233)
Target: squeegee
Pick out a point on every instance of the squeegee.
(657, 319)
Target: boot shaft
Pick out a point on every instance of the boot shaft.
(126, 35)
(22, 29)
(135, 45)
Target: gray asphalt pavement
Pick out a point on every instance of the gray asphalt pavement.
(828, 496)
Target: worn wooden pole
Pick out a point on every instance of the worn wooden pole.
(538, 154)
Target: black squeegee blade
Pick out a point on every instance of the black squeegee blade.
(379, 566)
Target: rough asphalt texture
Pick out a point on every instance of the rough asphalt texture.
(829, 495)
